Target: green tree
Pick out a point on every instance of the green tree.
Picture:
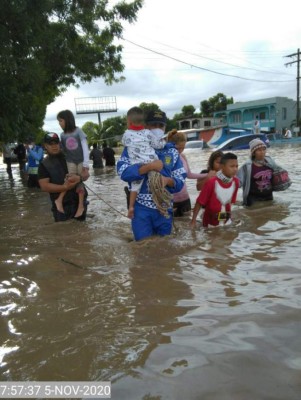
(188, 111)
(113, 129)
(48, 45)
(92, 130)
(215, 103)
(171, 124)
(147, 107)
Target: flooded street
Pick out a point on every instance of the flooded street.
(212, 314)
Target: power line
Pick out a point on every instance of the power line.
(201, 68)
(219, 61)
(232, 54)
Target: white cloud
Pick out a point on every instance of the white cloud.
(257, 37)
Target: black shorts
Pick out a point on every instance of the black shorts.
(70, 210)
(33, 181)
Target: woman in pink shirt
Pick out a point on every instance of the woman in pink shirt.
(181, 199)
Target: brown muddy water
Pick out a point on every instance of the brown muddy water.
(212, 314)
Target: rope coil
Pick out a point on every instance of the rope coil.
(161, 197)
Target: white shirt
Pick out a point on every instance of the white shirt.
(141, 144)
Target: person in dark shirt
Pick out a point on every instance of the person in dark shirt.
(20, 152)
(54, 178)
(256, 174)
(108, 155)
(97, 156)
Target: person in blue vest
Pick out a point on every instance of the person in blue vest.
(148, 220)
(35, 155)
(54, 179)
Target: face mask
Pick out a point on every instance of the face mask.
(158, 131)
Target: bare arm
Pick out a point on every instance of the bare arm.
(70, 183)
(201, 182)
(190, 174)
(168, 182)
(156, 165)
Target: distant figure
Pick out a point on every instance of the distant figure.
(288, 134)
(97, 156)
(20, 152)
(141, 144)
(35, 155)
(108, 155)
(75, 147)
(218, 193)
(256, 126)
(7, 158)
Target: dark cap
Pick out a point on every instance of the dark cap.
(50, 138)
(156, 117)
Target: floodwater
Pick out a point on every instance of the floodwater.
(211, 314)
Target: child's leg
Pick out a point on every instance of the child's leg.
(133, 196)
(81, 207)
(59, 202)
(77, 169)
(135, 189)
(60, 199)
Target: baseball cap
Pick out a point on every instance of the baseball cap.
(156, 117)
(50, 138)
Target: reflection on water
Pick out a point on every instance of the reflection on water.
(211, 314)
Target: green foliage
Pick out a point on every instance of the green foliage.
(171, 124)
(93, 132)
(177, 116)
(147, 107)
(48, 45)
(216, 103)
(113, 129)
(188, 111)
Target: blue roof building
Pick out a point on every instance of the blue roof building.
(274, 114)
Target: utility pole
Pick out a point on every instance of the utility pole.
(298, 84)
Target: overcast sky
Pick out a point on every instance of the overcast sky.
(187, 51)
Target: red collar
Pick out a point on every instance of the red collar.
(136, 127)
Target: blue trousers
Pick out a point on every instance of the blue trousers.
(149, 222)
